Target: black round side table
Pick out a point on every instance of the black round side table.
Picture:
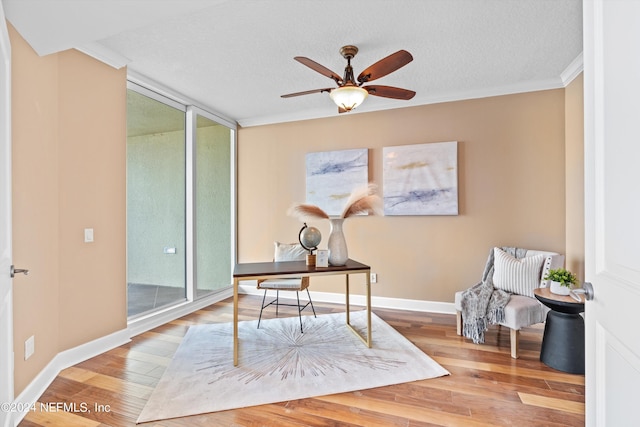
(563, 340)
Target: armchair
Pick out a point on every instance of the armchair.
(518, 277)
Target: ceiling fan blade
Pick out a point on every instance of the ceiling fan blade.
(390, 92)
(306, 92)
(319, 68)
(385, 66)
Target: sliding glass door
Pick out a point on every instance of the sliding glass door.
(213, 210)
(156, 268)
(180, 202)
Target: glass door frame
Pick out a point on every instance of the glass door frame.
(192, 111)
(192, 114)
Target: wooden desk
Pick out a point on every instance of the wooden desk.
(280, 270)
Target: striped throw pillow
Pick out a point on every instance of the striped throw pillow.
(518, 276)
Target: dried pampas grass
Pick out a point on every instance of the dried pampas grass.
(306, 212)
(362, 201)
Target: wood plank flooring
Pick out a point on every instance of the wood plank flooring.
(486, 386)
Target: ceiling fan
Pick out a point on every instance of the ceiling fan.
(351, 93)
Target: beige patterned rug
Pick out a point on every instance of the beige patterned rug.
(277, 363)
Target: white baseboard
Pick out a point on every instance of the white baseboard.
(73, 356)
(379, 302)
(63, 360)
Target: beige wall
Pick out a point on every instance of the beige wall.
(574, 164)
(92, 157)
(68, 122)
(35, 206)
(511, 189)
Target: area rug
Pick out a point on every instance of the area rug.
(278, 363)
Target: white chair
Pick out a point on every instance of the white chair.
(287, 252)
(521, 310)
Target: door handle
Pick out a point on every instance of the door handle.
(587, 290)
(13, 271)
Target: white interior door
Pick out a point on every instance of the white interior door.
(6, 295)
(612, 210)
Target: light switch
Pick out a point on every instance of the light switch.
(88, 235)
(29, 347)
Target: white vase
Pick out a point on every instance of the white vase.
(337, 244)
(558, 289)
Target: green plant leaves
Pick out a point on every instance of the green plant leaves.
(563, 276)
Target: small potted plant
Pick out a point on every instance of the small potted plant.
(561, 280)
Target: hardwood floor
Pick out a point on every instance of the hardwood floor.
(486, 386)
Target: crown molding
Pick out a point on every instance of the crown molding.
(115, 60)
(533, 86)
(104, 54)
(573, 70)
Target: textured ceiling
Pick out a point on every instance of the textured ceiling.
(236, 57)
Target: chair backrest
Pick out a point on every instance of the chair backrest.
(284, 252)
(552, 261)
(289, 252)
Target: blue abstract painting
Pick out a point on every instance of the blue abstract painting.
(333, 175)
(421, 179)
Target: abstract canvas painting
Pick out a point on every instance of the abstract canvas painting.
(421, 179)
(333, 175)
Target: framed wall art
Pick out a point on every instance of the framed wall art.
(421, 179)
(333, 175)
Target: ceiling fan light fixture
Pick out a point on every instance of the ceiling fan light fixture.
(348, 97)
(350, 94)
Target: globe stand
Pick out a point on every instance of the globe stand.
(311, 260)
(309, 238)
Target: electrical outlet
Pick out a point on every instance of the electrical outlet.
(29, 347)
(374, 277)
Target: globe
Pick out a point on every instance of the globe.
(310, 237)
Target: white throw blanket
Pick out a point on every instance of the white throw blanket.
(482, 304)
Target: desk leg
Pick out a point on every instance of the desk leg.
(368, 280)
(235, 321)
(366, 340)
(347, 297)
